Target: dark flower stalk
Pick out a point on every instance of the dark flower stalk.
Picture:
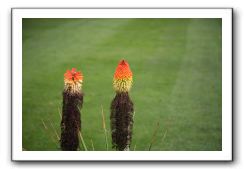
(122, 110)
(72, 103)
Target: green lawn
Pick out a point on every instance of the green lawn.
(176, 66)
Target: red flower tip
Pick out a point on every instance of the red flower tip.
(123, 70)
(123, 62)
(73, 75)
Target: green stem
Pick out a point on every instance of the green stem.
(93, 149)
(104, 128)
(153, 136)
(82, 141)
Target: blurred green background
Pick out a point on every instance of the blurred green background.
(176, 65)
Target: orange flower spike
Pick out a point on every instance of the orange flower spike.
(73, 80)
(122, 81)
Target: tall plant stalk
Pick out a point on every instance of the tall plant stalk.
(72, 103)
(121, 117)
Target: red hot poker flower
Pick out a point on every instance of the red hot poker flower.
(72, 103)
(122, 110)
(122, 81)
(123, 70)
(73, 80)
(73, 75)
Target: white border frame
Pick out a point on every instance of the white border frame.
(224, 155)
